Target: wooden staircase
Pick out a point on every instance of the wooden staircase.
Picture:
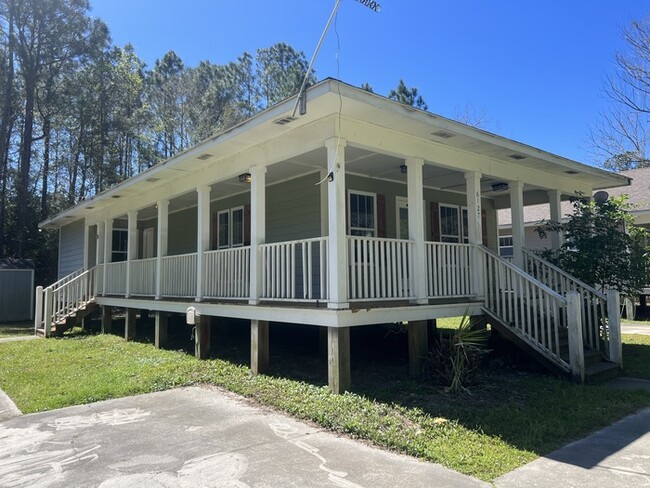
(75, 318)
(565, 325)
(65, 303)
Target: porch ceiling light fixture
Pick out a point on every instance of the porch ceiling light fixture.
(403, 169)
(501, 186)
(245, 178)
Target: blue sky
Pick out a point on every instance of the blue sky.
(533, 68)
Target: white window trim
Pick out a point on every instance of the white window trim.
(229, 212)
(462, 232)
(511, 246)
(374, 205)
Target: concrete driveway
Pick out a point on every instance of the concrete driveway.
(193, 438)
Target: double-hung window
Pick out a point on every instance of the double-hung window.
(505, 246)
(453, 223)
(362, 214)
(230, 228)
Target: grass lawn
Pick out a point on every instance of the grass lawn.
(511, 417)
(636, 355)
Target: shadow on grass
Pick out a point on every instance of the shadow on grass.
(13, 329)
(636, 358)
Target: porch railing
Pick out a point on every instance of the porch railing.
(143, 277)
(178, 276)
(527, 307)
(295, 270)
(379, 269)
(448, 269)
(227, 273)
(593, 303)
(115, 278)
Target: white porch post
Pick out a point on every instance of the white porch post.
(337, 243)
(202, 235)
(86, 259)
(108, 250)
(474, 227)
(101, 241)
(416, 228)
(555, 206)
(161, 244)
(258, 230)
(518, 230)
(131, 247)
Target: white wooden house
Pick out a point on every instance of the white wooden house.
(360, 211)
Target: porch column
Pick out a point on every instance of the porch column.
(108, 250)
(107, 319)
(258, 230)
(161, 328)
(86, 256)
(202, 236)
(337, 264)
(418, 347)
(555, 206)
(474, 228)
(129, 324)
(517, 214)
(324, 224)
(259, 346)
(101, 241)
(338, 359)
(416, 228)
(131, 247)
(161, 244)
(202, 336)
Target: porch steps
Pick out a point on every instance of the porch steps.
(597, 368)
(68, 322)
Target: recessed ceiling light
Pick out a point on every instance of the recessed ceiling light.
(518, 157)
(571, 172)
(116, 196)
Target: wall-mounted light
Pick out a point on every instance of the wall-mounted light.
(500, 186)
(330, 176)
(403, 169)
(245, 178)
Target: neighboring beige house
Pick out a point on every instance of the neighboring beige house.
(638, 193)
(361, 211)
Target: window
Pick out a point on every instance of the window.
(230, 228)
(505, 246)
(120, 243)
(451, 229)
(363, 214)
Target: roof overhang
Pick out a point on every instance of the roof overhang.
(327, 99)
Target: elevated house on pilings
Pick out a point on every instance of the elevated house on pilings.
(361, 211)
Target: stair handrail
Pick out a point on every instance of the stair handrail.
(594, 303)
(68, 277)
(524, 305)
(560, 271)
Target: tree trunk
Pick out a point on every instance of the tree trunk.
(22, 182)
(47, 129)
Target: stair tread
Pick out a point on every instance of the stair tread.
(600, 367)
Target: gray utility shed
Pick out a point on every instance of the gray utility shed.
(16, 290)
